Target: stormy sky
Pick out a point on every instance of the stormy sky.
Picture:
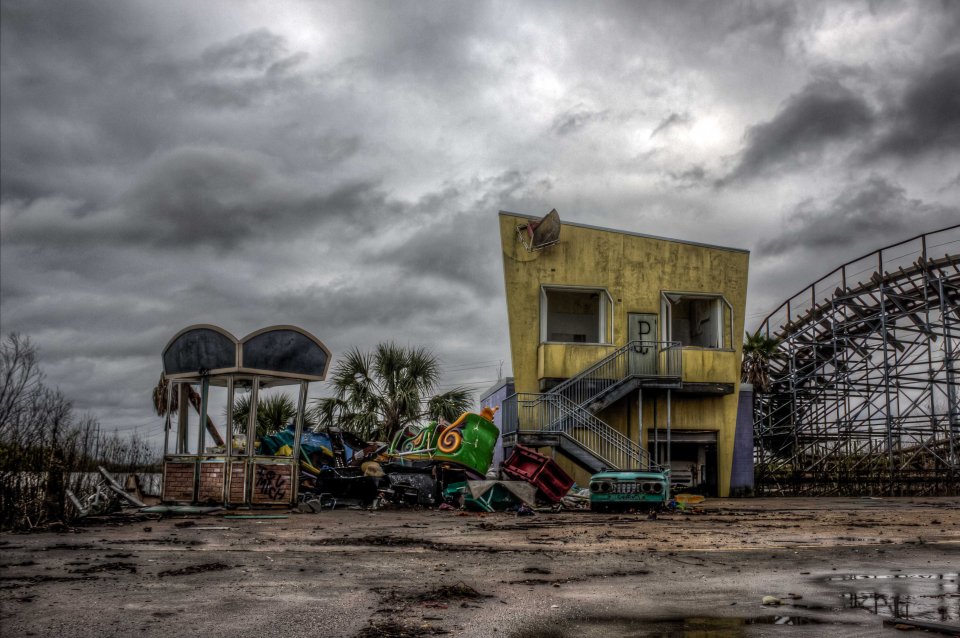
(340, 165)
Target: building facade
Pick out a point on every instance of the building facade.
(493, 398)
(626, 351)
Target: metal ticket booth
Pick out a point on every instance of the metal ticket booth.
(217, 455)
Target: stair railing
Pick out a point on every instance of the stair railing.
(555, 414)
(636, 359)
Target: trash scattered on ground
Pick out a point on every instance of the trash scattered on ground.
(194, 569)
(180, 509)
(108, 497)
(541, 471)
(577, 498)
(490, 495)
(909, 624)
(404, 610)
(771, 601)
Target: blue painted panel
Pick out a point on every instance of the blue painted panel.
(741, 475)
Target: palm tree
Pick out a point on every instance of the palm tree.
(758, 351)
(160, 405)
(273, 414)
(376, 394)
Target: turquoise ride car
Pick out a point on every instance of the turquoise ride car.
(617, 490)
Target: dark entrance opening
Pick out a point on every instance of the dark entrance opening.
(693, 459)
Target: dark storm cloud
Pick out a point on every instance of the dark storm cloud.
(73, 95)
(339, 165)
(256, 50)
(691, 177)
(221, 197)
(674, 119)
(823, 112)
(874, 211)
(576, 119)
(927, 118)
(248, 68)
(458, 233)
(381, 302)
(202, 196)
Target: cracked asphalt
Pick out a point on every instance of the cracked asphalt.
(836, 565)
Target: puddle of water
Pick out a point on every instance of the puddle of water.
(948, 577)
(785, 620)
(933, 597)
(628, 627)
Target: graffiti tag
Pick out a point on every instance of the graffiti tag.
(271, 484)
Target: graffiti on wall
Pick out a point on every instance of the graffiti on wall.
(271, 484)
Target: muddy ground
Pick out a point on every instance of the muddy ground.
(832, 562)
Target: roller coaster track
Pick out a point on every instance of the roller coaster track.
(863, 396)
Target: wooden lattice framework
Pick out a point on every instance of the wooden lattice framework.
(863, 396)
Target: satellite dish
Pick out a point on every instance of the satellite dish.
(540, 234)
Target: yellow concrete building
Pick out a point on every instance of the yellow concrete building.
(626, 351)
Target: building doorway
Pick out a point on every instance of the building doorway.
(642, 329)
(693, 458)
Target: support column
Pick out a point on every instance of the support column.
(656, 434)
(183, 417)
(640, 423)
(168, 419)
(669, 406)
(297, 435)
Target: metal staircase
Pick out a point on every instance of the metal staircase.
(565, 417)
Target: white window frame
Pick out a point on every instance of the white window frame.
(666, 317)
(606, 322)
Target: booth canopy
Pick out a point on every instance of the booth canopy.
(279, 352)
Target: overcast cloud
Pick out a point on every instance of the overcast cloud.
(339, 166)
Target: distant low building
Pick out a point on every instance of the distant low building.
(495, 397)
(626, 351)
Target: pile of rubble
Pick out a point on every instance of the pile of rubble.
(525, 481)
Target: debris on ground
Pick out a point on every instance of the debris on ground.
(180, 509)
(576, 499)
(541, 471)
(108, 497)
(405, 609)
(491, 495)
(194, 569)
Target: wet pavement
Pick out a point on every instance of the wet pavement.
(837, 567)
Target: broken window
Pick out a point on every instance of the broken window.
(575, 315)
(701, 321)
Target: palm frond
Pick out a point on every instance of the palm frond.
(450, 404)
(380, 392)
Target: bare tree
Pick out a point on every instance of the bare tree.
(45, 448)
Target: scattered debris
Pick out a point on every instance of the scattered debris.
(491, 495)
(179, 509)
(194, 569)
(106, 567)
(541, 471)
(108, 497)
(908, 624)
